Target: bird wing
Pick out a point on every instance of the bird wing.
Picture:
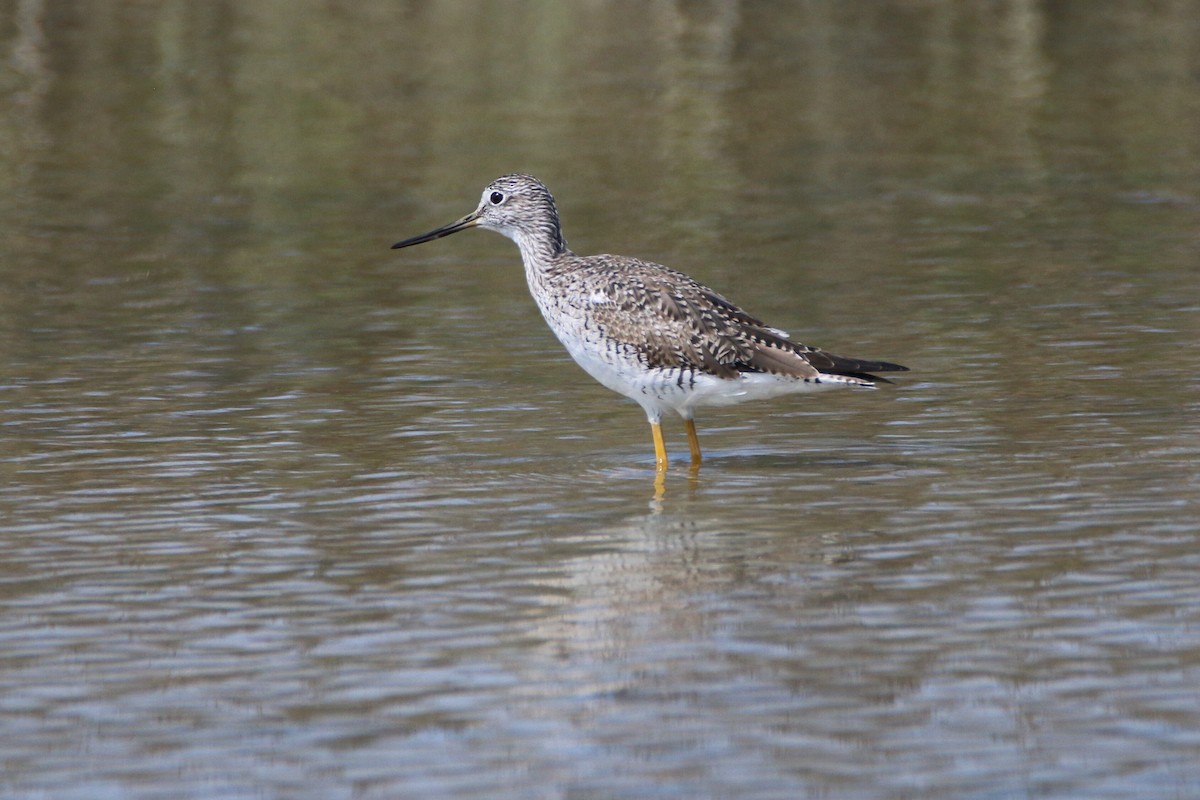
(675, 322)
(672, 321)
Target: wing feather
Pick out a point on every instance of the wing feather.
(672, 321)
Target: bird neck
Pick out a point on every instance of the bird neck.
(540, 248)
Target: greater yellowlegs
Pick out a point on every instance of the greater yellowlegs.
(648, 332)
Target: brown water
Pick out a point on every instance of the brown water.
(287, 514)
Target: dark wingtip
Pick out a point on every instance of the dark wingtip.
(862, 376)
(854, 368)
(863, 370)
(886, 366)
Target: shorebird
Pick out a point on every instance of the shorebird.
(646, 331)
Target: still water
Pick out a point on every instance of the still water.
(287, 514)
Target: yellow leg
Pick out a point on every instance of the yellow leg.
(693, 442)
(660, 449)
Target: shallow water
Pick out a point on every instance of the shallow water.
(287, 514)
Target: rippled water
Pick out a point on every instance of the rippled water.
(286, 514)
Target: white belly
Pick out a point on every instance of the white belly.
(683, 390)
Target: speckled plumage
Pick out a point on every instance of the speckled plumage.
(646, 331)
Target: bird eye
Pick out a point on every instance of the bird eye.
(497, 198)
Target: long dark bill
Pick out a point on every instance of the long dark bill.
(469, 221)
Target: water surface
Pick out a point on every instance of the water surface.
(287, 514)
